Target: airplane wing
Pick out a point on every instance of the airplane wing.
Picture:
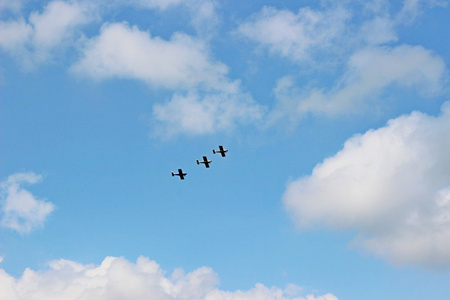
(222, 151)
(205, 161)
(181, 174)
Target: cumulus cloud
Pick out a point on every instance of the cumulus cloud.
(295, 35)
(194, 114)
(391, 185)
(20, 209)
(117, 278)
(369, 72)
(34, 41)
(127, 52)
(182, 63)
(213, 101)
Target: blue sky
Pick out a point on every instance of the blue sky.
(337, 180)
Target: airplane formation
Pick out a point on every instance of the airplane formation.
(205, 161)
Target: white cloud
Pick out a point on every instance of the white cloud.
(411, 9)
(21, 210)
(296, 36)
(378, 31)
(14, 35)
(182, 63)
(194, 115)
(391, 185)
(203, 13)
(369, 72)
(332, 31)
(35, 41)
(11, 5)
(57, 22)
(117, 278)
(159, 4)
(204, 17)
(127, 52)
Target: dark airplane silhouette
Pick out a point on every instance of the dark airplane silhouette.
(221, 151)
(180, 173)
(205, 161)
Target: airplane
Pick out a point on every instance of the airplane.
(221, 151)
(180, 173)
(205, 161)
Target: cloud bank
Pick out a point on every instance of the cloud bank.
(19, 209)
(352, 40)
(117, 278)
(391, 185)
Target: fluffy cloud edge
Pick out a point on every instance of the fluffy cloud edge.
(391, 185)
(20, 209)
(36, 39)
(196, 114)
(118, 278)
(370, 73)
(295, 35)
(125, 51)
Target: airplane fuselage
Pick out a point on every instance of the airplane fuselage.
(204, 161)
(221, 150)
(180, 173)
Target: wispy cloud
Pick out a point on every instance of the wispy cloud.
(33, 41)
(368, 74)
(391, 185)
(117, 278)
(196, 114)
(20, 209)
(411, 9)
(359, 52)
(297, 36)
(203, 13)
(11, 5)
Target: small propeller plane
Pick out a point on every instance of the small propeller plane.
(205, 161)
(221, 151)
(180, 173)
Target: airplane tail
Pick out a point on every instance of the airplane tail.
(173, 174)
(198, 162)
(214, 151)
